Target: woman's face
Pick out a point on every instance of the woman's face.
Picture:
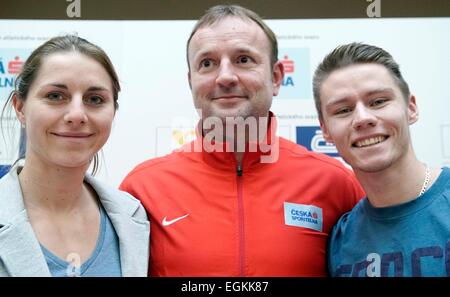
(68, 111)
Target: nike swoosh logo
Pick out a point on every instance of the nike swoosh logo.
(166, 223)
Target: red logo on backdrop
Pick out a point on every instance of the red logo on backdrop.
(15, 65)
(288, 64)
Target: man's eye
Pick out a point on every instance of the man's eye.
(55, 96)
(244, 59)
(206, 63)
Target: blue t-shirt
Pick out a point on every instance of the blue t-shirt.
(104, 261)
(410, 239)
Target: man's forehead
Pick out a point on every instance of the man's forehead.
(359, 76)
(227, 28)
(371, 70)
(228, 20)
(242, 32)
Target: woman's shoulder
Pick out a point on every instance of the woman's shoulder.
(10, 179)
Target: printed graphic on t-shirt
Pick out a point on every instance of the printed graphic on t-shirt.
(422, 261)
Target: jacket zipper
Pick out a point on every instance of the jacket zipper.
(241, 222)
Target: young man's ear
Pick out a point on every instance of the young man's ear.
(325, 132)
(189, 79)
(19, 108)
(277, 77)
(413, 111)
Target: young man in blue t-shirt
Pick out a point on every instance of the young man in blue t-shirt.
(402, 227)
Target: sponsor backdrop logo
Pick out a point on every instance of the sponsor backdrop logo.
(311, 137)
(297, 78)
(11, 62)
(171, 138)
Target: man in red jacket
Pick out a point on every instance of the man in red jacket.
(239, 200)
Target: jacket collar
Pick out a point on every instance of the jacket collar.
(220, 156)
(20, 251)
(129, 226)
(11, 201)
(19, 246)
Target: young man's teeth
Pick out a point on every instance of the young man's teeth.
(370, 141)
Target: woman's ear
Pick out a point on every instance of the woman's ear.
(19, 108)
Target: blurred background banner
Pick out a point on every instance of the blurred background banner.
(147, 44)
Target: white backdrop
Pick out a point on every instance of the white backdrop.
(156, 112)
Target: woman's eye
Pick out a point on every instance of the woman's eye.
(55, 96)
(94, 100)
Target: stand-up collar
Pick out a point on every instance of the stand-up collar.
(221, 156)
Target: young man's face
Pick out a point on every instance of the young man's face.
(366, 116)
(230, 70)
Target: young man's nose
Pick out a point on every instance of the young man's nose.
(363, 117)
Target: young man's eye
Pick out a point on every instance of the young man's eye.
(379, 101)
(342, 111)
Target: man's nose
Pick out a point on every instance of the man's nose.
(226, 76)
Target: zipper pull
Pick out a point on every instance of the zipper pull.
(239, 170)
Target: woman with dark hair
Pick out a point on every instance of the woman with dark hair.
(55, 219)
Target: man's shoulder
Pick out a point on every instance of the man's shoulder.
(176, 158)
(299, 153)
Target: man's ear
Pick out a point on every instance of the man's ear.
(277, 77)
(413, 111)
(19, 108)
(325, 132)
